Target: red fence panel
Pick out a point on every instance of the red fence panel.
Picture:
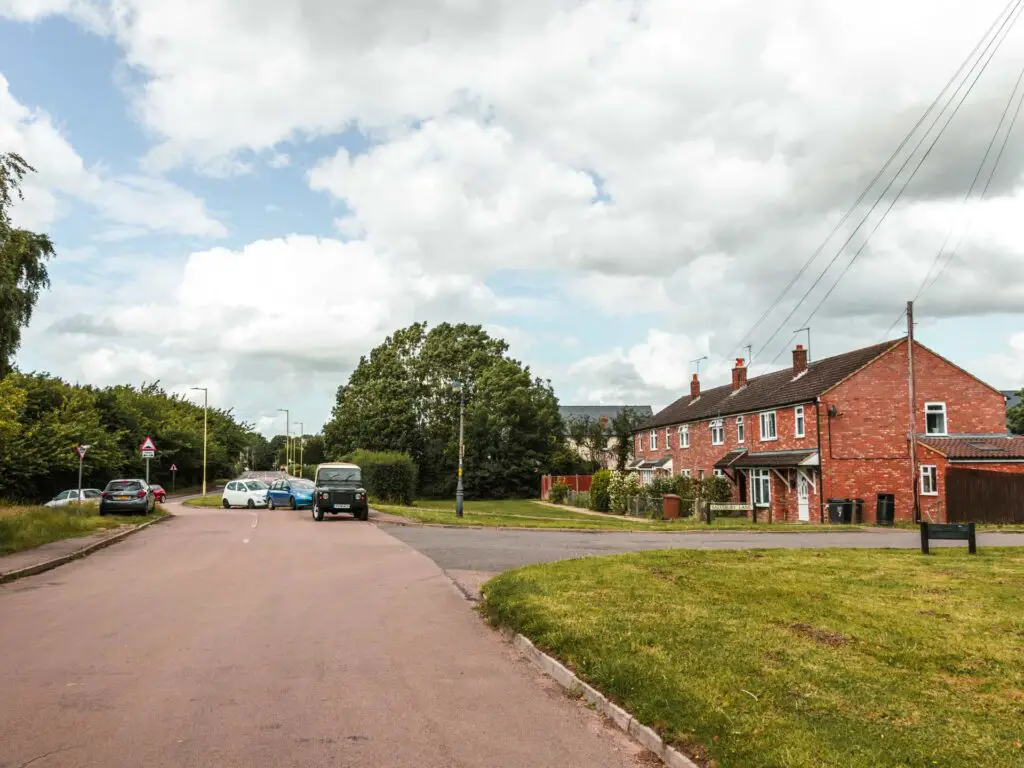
(578, 483)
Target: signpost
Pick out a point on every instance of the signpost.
(80, 450)
(148, 450)
(174, 475)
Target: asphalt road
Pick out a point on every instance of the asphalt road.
(265, 639)
(490, 550)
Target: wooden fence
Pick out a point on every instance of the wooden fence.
(578, 483)
(978, 496)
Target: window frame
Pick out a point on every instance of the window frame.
(799, 422)
(718, 472)
(684, 435)
(668, 438)
(717, 427)
(757, 477)
(945, 418)
(931, 473)
(684, 472)
(653, 440)
(741, 430)
(763, 419)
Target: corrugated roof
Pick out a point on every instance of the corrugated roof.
(771, 390)
(986, 447)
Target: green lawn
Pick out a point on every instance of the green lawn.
(210, 500)
(794, 658)
(25, 527)
(532, 514)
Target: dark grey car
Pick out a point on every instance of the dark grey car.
(127, 497)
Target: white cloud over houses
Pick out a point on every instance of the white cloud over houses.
(667, 165)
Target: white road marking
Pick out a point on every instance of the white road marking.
(255, 519)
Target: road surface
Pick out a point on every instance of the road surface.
(265, 639)
(489, 551)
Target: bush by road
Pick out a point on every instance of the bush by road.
(24, 527)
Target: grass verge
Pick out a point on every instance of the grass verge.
(794, 658)
(208, 501)
(24, 528)
(518, 513)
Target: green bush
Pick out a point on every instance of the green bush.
(600, 495)
(559, 493)
(716, 490)
(622, 487)
(684, 486)
(387, 476)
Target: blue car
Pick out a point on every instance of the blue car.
(293, 492)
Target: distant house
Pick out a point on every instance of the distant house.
(603, 415)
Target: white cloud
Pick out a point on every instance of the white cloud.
(1004, 370)
(136, 202)
(279, 160)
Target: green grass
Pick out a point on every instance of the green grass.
(519, 513)
(210, 500)
(794, 658)
(25, 527)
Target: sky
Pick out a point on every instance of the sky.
(248, 195)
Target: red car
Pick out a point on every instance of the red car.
(159, 493)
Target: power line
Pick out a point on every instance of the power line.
(880, 173)
(988, 183)
(903, 188)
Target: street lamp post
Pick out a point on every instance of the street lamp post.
(206, 404)
(302, 454)
(287, 441)
(457, 386)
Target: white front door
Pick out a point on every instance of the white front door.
(803, 497)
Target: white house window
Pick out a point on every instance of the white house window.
(935, 418)
(654, 439)
(684, 472)
(761, 485)
(719, 473)
(801, 425)
(668, 438)
(684, 436)
(929, 480)
(768, 426)
(741, 432)
(717, 432)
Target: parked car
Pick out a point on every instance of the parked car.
(125, 497)
(338, 489)
(159, 493)
(244, 493)
(72, 497)
(292, 492)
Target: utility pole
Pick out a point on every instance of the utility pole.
(206, 404)
(459, 387)
(287, 441)
(912, 398)
(302, 446)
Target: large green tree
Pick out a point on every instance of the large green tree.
(23, 257)
(400, 398)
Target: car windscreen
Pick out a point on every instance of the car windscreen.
(124, 485)
(256, 485)
(329, 475)
(302, 484)
(91, 494)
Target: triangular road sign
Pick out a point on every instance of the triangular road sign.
(80, 450)
(148, 444)
(174, 467)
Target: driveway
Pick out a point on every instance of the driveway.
(488, 551)
(265, 639)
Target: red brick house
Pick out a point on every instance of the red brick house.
(835, 428)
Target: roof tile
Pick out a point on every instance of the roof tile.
(990, 447)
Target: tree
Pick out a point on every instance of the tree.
(400, 398)
(23, 256)
(1015, 416)
(590, 439)
(624, 426)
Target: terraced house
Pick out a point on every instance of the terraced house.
(837, 428)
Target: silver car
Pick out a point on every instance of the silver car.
(73, 497)
(127, 497)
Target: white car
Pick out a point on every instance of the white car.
(244, 493)
(72, 497)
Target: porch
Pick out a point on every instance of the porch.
(782, 486)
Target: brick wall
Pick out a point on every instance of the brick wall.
(865, 452)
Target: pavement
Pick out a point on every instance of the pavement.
(489, 551)
(238, 638)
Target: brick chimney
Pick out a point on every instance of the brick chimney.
(694, 388)
(799, 359)
(739, 375)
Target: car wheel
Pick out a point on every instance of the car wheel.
(291, 503)
(363, 514)
(270, 503)
(318, 514)
(251, 504)
(224, 502)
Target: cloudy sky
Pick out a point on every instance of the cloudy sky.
(249, 194)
